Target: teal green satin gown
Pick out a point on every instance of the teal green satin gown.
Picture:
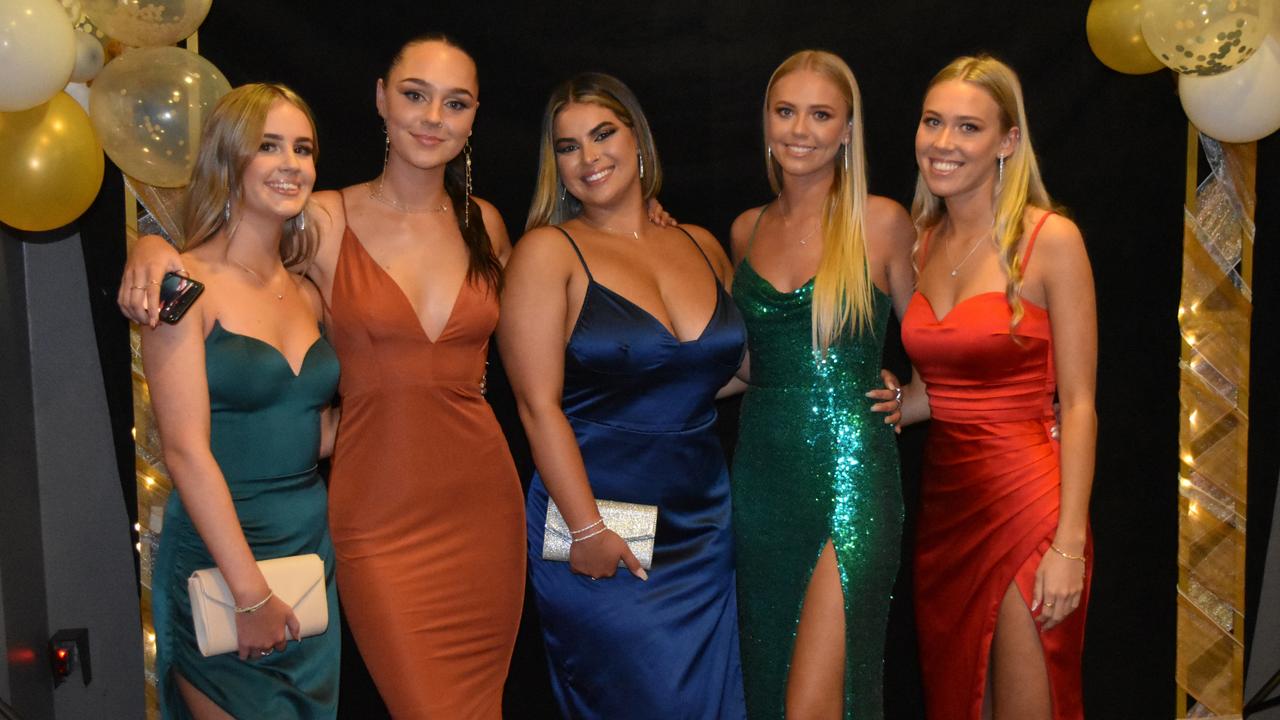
(265, 435)
(813, 463)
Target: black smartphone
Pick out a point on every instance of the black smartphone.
(176, 295)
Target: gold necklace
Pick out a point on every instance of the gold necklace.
(787, 224)
(251, 271)
(376, 194)
(620, 233)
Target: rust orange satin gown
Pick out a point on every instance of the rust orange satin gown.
(989, 494)
(425, 506)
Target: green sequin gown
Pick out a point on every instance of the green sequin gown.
(813, 463)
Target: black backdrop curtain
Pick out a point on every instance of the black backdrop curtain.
(1111, 146)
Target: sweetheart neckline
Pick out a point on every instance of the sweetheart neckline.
(217, 325)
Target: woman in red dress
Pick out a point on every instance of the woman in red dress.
(1002, 318)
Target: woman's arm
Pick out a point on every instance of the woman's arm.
(1069, 297)
(531, 339)
(174, 361)
(891, 237)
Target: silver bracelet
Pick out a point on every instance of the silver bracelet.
(256, 606)
(582, 530)
(588, 537)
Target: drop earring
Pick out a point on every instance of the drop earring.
(386, 149)
(226, 211)
(466, 209)
(1000, 178)
(640, 158)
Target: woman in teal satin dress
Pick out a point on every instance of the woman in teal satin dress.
(816, 492)
(240, 387)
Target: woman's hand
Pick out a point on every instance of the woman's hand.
(658, 215)
(1059, 584)
(261, 632)
(597, 556)
(139, 296)
(889, 400)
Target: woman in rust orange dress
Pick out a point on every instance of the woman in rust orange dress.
(1002, 318)
(425, 506)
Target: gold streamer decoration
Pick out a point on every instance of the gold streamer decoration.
(1214, 318)
(150, 211)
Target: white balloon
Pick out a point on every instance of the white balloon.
(89, 57)
(79, 92)
(37, 52)
(1239, 106)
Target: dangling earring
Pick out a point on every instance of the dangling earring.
(386, 148)
(226, 211)
(848, 161)
(640, 158)
(1000, 179)
(768, 151)
(563, 193)
(466, 209)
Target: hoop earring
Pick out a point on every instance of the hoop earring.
(640, 158)
(1000, 178)
(466, 209)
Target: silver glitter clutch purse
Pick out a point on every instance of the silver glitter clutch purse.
(636, 524)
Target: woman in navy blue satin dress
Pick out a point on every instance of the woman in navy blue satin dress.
(616, 334)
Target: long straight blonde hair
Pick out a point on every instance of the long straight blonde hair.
(551, 204)
(1021, 186)
(228, 142)
(842, 288)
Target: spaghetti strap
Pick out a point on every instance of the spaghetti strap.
(576, 250)
(751, 239)
(1031, 242)
(700, 251)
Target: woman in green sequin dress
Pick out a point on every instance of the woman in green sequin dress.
(816, 493)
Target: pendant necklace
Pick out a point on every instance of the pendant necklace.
(620, 233)
(787, 224)
(254, 273)
(376, 194)
(956, 269)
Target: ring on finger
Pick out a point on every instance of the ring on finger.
(897, 395)
(1048, 605)
(138, 287)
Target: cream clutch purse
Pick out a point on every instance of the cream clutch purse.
(297, 579)
(634, 523)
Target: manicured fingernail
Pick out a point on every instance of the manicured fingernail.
(642, 575)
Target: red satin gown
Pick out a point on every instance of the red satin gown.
(989, 495)
(425, 506)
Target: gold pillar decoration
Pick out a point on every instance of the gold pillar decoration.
(155, 211)
(1214, 318)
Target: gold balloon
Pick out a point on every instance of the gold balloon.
(50, 165)
(1114, 28)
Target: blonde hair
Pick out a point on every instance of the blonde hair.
(842, 288)
(1021, 186)
(551, 204)
(229, 140)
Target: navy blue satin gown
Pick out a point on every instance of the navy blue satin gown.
(641, 404)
